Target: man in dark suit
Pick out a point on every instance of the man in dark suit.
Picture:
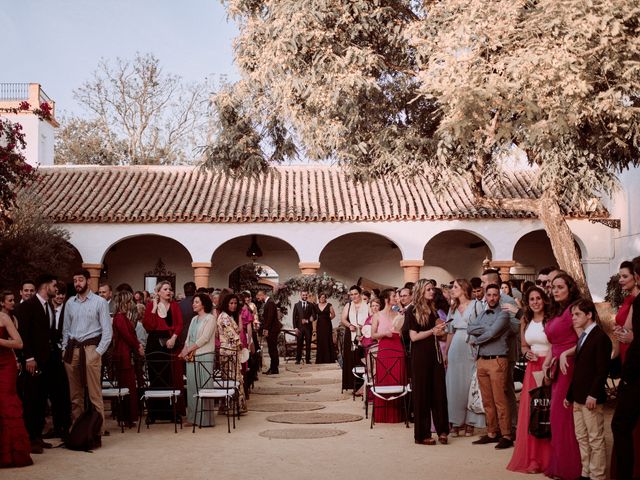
(186, 308)
(627, 411)
(587, 389)
(57, 384)
(270, 329)
(302, 318)
(35, 319)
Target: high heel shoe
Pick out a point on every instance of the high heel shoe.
(443, 439)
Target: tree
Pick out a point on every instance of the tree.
(31, 244)
(138, 114)
(15, 172)
(446, 90)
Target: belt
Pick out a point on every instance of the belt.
(491, 357)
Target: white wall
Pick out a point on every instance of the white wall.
(40, 138)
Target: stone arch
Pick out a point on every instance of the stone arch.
(128, 259)
(455, 254)
(368, 256)
(277, 253)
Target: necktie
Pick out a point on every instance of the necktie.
(304, 305)
(51, 318)
(580, 340)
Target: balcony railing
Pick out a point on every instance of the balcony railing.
(14, 91)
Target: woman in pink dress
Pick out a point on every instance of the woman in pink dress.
(531, 454)
(15, 447)
(390, 368)
(565, 455)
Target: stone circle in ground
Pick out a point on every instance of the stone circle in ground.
(314, 418)
(286, 407)
(320, 397)
(283, 390)
(313, 368)
(311, 381)
(301, 433)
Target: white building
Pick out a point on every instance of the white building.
(39, 134)
(124, 220)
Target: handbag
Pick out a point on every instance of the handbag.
(540, 412)
(84, 435)
(474, 401)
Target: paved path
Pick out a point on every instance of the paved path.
(384, 452)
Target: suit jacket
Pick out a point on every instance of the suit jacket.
(591, 368)
(56, 334)
(35, 330)
(270, 319)
(300, 314)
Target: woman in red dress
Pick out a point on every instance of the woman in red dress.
(390, 368)
(15, 447)
(531, 454)
(126, 344)
(565, 461)
(624, 334)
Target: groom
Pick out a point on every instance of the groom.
(302, 317)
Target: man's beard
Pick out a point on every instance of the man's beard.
(80, 289)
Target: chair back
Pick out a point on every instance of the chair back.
(387, 367)
(227, 368)
(160, 370)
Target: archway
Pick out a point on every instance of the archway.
(279, 259)
(454, 254)
(368, 257)
(252, 276)
(533, 252)
(133, 259)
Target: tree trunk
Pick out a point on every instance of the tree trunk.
(562, 240)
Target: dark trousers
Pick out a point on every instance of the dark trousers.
(429, 397)
(304, 337)
(511, 397)
(624, 421)
(35, 404)
(272, 344)
(57, 387)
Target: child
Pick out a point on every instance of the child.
(587, 390)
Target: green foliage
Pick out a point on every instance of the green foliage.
(444, 89)
(315, 284)
(31, 245)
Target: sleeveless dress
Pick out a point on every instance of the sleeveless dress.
(565, 455)
(390, 370)
(15, 448)
(325, 352)
(460, 370)
(531, 454)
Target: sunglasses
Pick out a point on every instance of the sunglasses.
(542, 282)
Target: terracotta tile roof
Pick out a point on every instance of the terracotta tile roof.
(145, 194)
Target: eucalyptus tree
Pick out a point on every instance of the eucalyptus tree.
(447, 90)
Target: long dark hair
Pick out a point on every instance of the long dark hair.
(224, 305)
(574, 294)
(528, 313)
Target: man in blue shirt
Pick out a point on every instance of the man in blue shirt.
(490, 332)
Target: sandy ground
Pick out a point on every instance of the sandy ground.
(386, 451)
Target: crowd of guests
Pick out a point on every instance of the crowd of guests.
(457, 345)
(461, 344)
(55, 349)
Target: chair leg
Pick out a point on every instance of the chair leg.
(175, 424)
(121, 419)
(143, 405)
(228, 421)
(195, 415)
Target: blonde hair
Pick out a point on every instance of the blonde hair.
(161, 284)
(126, 305)
(424, 309)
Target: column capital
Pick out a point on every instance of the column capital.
(411, 263)
(504, 267)
(94, 269)
(201, 264)
(309, 268)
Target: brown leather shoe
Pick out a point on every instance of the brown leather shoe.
(443, 439)
(429, 441)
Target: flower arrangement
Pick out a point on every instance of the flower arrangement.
(316, 284)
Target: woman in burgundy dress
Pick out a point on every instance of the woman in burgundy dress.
(565, 455)
(15, 447)
(163, 322)
(390, 368)
(125, 345)
(624, 334)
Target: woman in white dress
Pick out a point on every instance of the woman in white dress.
(461, 363)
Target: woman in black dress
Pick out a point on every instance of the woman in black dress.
(429, 386)
(325, 351)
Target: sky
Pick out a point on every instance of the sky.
(58, 43)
